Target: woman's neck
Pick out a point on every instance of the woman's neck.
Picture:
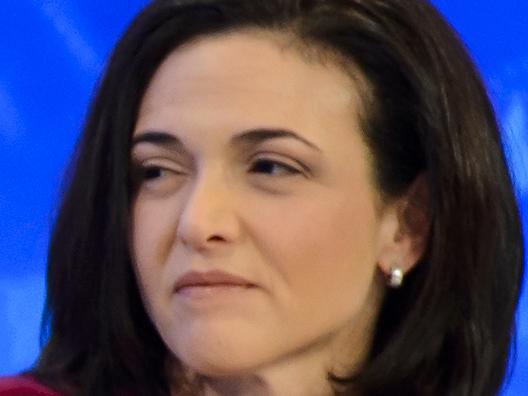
(286, 382)
(304, 373)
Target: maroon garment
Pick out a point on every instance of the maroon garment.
(24, 386)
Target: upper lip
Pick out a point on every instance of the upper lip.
(195, 278)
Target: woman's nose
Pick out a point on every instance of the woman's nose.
(208, 217)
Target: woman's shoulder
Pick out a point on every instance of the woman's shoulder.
(24, 385)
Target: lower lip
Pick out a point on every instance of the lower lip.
(209, 291)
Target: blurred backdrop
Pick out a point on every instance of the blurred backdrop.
(51, 54)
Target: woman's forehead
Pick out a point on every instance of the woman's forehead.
(244, 66)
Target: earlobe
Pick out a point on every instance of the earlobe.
(405, 232)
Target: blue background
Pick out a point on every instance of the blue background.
(51, 54)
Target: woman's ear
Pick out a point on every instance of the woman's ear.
(405, 226)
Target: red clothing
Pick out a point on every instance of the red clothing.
(24, 386)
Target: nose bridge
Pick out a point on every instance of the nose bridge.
(207, 212)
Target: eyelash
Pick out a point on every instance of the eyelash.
(289, 170)
(149, 168)
(142, 172)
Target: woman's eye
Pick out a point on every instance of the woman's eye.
(152, 172)
(146, 173)
(273, 168)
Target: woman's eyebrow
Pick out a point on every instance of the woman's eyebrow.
(159, 138)
(248, 137)
(255, 136)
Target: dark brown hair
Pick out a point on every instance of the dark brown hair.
(448, 331)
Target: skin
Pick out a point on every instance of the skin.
(304, 224)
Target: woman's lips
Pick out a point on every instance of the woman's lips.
(207, 283)
(203, 291)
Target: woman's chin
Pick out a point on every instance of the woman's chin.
(233, 362)
(222, 360)
(220, 350)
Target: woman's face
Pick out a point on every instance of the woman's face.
(250, 162)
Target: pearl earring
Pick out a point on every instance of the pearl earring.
(395, 278)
